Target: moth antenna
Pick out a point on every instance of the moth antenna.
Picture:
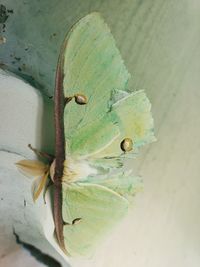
(66, 223)
(40, 154)
(49, 184)
(67, 100)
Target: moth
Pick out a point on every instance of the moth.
(99, 123)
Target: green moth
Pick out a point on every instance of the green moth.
(99, 123)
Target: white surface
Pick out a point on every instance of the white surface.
(20, 120)
(20, 258)
(23, 118)
(32, 222)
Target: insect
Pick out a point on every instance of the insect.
(99, 123)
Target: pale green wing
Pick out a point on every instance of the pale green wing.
(96, 135)
(124, 183)
(92, 67)
(135, 114)
(135, 122)
(95, 210)
(105, 164)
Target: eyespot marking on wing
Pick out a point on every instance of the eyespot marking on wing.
(80, 99)
(76, 221)
(126, 144)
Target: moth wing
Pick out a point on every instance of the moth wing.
(123, 183)
(135, 122)
(93, 137)
(97, 209)
(93, 67)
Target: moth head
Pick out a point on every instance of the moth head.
(126, 144)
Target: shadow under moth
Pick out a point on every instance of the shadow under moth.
(99, 123)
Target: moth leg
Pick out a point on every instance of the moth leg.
(67, 100)
(75, 221)
(40, 186)
(43, 155)
(49, 184)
